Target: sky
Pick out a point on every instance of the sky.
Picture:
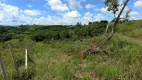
(60, 12)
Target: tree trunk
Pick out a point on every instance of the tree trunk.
(116, 22)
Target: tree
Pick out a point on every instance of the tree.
(78, 24)
(90, 23)
(103, 21)
(113, 6)
(127, 16)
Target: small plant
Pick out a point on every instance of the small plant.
(25, 74)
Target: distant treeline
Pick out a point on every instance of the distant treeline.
(52, 32)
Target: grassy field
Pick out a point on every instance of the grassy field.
(60, 60)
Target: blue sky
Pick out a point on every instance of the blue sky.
(55, 12)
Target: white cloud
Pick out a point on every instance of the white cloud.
(104, 10)
(1, 17)
(87, 16)
(71, 18)
(10, 13)
(138, 4)
(88, 6)
(99, 17)
(74, 4)
(13, 15)
(57, 5)
(27, 17)
(29, 5)
(134, 18)
(72, 14)
(134, 13)
(121, 1)
(13, 10)
(97, 9)
(53, 20)
(32, 12)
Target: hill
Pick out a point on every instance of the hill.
(56, 52)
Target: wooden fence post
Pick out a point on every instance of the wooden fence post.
(2, 68)
(13, 58)
(26, 58)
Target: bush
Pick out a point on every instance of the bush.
(5, 37)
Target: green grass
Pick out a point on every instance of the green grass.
(132, 29)
(59, 60)
(13, 41)
(53, 58)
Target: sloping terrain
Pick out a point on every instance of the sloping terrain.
(61, 59)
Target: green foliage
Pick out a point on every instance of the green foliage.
(25, 74)
(3, 30)
(112, 6)
(108, 72)
(5, 37)
(56, 58)
(127, 16)
(78, 24)
(8, 32)
(54, 32)
(131, 29)
(47, 33)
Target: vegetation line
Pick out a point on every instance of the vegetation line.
(133, 40)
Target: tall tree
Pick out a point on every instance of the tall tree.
(113, 6)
